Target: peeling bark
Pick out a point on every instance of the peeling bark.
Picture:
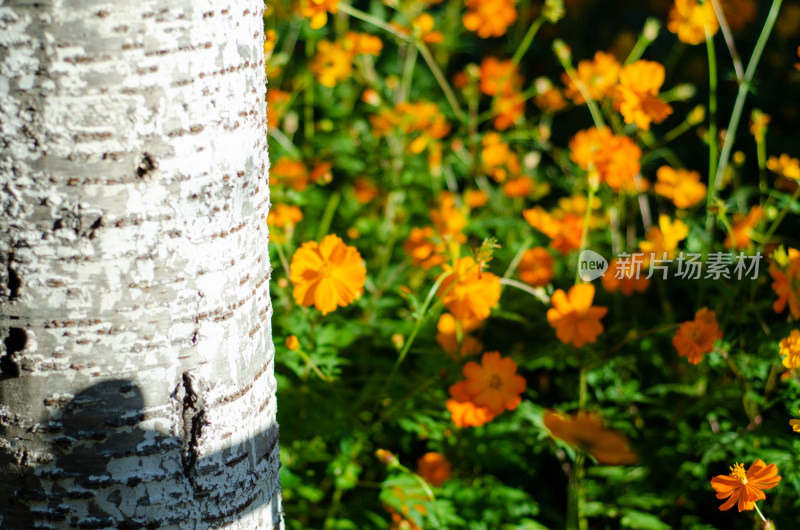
(136, 359)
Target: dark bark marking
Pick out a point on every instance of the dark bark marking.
(193, 422)
(147, 165)
(14, 342)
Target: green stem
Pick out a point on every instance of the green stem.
(441, 79)
(728, 36)
(755, 505)
(781, 215)
(327, 216)
(744, 87)
(537, 292)
(585, 229)
(526, 41)
(563, 57)
(512, 267)
(712, 130)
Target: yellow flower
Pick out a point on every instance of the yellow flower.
(468, 292)
(498, 77)
(681, 186)
(536, 267)
(599, 76)
(785, 166)
(332, 64)
(327, 275)
(742, 228)
(689, 18)
(790, 350)
(489, 18)
(637, 94)
(292, 343)
(614, 158)
(317, 11)
(664, 237)
(575, 320)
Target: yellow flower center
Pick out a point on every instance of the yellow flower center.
(495, 381)
(737, 472)
(326, 270)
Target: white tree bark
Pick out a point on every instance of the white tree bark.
(137, 386)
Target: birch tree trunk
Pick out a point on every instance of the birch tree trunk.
(137, 386)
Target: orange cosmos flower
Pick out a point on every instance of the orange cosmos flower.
(695, 338)
(449, 220)
(790, 350)
(518, 187)
(508, 109)
(786, 283)
(494, 383)
(290, 173)
(365, 190)
(681, 186)
(332, 63)
(475, 198)
(785, 166)
(317, 11)
(565, 232)
(277, 105)
(448, 331)
(489, 18)
(664, 237)
(629, 283)
(584, 430)
(463, 411)
(599, 76)
(575, 320)
(362, 43)
(614, 158)
(423, 250)
(282, 215)
(743, 488)
(327, 275)
(742, 227)
(536, 267)
(637, 94)
(499, 77)
(468, 292)
(500, 162)
(689, 18)
(434, 468)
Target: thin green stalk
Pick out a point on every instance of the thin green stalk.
(646, 38)
(512, 267)
(408, 72)
(755, 505)
(575, 493)
(585, 230)
(527, 40)
(287, 144)
(781, 215)
(744, 87)
(327, 216)
(366, 17)
(712, 129)
(728, 36)
(536, 292)
(563, 55)
(441, 79)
